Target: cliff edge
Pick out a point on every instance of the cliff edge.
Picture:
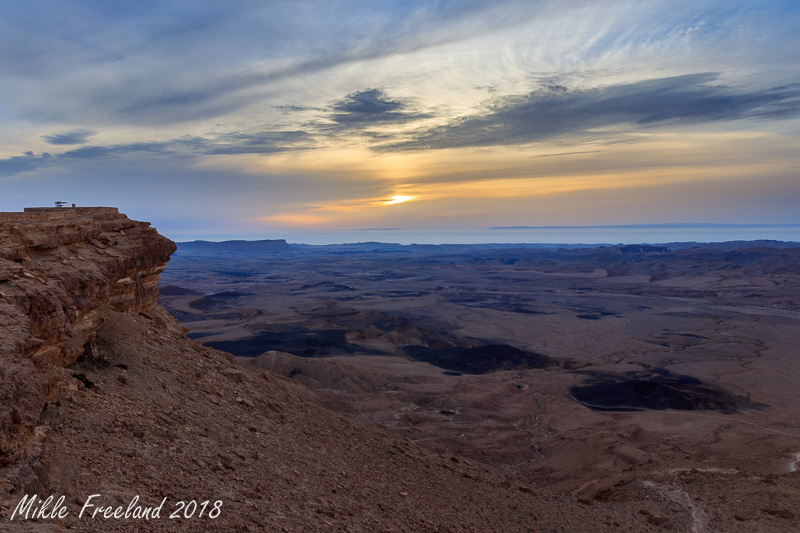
(61, 271)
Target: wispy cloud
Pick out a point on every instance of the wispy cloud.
(96, 152)
(264, 142)
(559, 112)
(172, 62)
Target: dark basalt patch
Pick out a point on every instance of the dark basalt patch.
(480, 359)
(526, 311)
(297, 341)
(655, 391)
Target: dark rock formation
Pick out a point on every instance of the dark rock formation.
(480, 359)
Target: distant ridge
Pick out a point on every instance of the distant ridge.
(244, 247)
(200, 247)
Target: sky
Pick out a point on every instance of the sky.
(408, 121)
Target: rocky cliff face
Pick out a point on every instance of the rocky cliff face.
(61, 272)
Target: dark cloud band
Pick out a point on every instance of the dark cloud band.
(372, 106)
(69, 137)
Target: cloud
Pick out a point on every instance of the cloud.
(263, 142)
(95, 152)
(371, 106)
(558, 112)
(69, 137)
(183, 62)
(296, 108)
(15, 165)
(11, 166)
(174, 62)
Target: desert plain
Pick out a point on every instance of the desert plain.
(604, 373)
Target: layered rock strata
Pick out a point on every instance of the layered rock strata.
(61, 271)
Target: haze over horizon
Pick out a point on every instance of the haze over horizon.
(572, 235)
(418, 121)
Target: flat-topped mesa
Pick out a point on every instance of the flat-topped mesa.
(63, 271)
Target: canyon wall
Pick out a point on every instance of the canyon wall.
(61, 271)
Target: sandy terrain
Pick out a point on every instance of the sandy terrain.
(596, 374)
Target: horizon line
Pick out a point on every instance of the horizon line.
(663, 225)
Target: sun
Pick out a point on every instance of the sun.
(399, 199)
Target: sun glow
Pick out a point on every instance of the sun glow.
(399, 199)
